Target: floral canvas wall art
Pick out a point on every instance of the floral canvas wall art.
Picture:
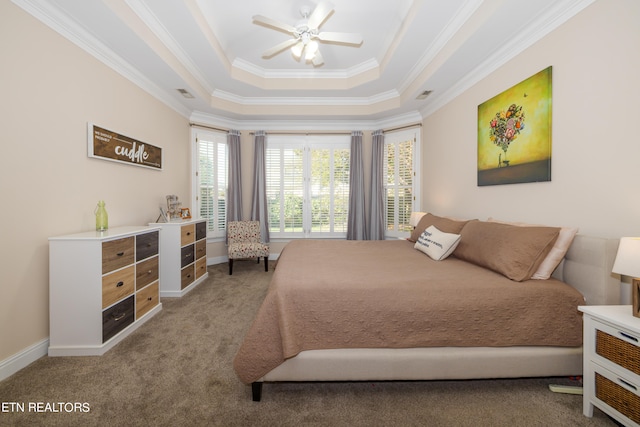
(514, 133)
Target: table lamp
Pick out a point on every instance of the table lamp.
(627, 263)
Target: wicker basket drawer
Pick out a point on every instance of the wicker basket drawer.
(619, 351)
(116, 318)
(619, 398)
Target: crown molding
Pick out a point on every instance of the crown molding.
(305, 125)
(440, 42)
(70, 30)
(263, 73)
(316, 101)
(533, 33)
(143, 12)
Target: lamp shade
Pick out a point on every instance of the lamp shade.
(627, 260)
(415, 218)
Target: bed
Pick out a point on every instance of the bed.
(382, 310)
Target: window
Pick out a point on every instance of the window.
(401, 182)
(211, 180)
(307, 185)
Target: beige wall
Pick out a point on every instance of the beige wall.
(50, 90)
(596, 150)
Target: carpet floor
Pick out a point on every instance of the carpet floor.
(176, 370)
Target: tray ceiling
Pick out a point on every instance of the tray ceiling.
(212, 50)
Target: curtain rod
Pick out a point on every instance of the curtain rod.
(418, 125)
(307, 133)
(207, 127)
(304, 133)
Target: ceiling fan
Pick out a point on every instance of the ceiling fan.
(306, 34)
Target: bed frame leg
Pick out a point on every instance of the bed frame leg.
(256, 391)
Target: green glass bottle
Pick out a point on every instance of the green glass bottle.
(102, 219)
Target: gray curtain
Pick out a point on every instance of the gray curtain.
(356, 221)
(234, 184)
(377, 202)
(259, 209)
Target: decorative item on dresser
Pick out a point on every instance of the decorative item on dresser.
(612, 362)
(628, 264)
(102, 286)
(183, 255)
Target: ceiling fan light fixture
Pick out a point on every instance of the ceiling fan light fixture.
(310, 50)
(305, 33)
(296, 50)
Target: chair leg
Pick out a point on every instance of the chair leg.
(230, 266)
(266, 263)
(258, 260)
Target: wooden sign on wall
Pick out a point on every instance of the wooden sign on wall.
(107, 145)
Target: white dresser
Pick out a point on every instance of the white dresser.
(183, 255)
(612, 362)
(102, 286)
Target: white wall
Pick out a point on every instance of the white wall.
(596, 151)
(50, 90)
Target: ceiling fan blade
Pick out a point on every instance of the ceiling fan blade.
(318, 59)
(320, 14)
(259, 19)
(279, 48)
(349, 38)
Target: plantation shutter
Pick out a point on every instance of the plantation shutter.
(212, 180)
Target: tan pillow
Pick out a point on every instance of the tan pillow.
(515, 252)
(446, 225)
(555, 255)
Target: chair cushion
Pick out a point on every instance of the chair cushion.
(248, 250)
(243, 231)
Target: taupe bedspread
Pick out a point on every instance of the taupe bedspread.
(369, 294)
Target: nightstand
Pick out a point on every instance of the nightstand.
(611, 376)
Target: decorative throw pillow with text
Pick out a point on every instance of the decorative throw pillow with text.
(437, 244)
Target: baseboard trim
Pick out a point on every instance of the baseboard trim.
(23, 358)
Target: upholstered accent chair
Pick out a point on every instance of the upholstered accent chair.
(244, 242)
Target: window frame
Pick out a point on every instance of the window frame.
(395, 139)
(218, 232)
(307, 143)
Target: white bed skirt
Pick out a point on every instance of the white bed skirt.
(380, 364)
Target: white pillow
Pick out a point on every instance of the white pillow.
(437, 244)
